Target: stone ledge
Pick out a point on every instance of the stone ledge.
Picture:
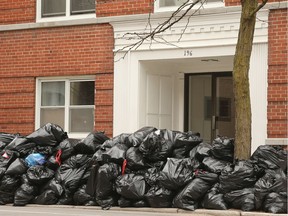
(276, 141)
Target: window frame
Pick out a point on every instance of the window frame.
(157, 7)
(66, 106)
(67, 16)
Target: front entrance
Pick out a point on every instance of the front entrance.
(209, 104)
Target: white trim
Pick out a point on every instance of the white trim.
(276, 141)
(67, 17)
(66, 110)
(199, 31)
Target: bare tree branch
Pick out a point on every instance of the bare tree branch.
(176, 16)
(189, 17)
(263, 3)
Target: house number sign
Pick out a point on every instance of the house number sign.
(188, 53)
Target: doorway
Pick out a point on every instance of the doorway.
(209, 105)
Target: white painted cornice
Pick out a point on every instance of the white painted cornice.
(201, 30)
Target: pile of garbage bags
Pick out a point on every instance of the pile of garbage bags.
(151, 167)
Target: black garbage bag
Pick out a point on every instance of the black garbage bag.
(123, 202)
(92, 180)
(214, 165)
(91, 143)
(106, 176)
(6, 158)
(213, 199)
(48, 197)
(136, 138)
(116, 154)
(272, 181)
(55, 186)
(184, 143)
(21, 145)
(176, 173)
(50, 193)
(45, 150)
(131, 186)
(86, 174)
(151, 176)
(6, 138)
(189, 197)
(53, 162)
(48, 135)
(108, 202)
(18, 167)
(159, 197)
(241, 199)
(25, 194)
(242, 174)
(66, 199)
(39, 175)
(157, 145)
(275, 203)
(135, 159)
(271, 157)
(223, 148)
(65, 149)
(80, 197)
(140, 203)
(200, 152)
(70, 173)
(8, 186)
(122, 138)
(26, 148)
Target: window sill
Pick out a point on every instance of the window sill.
(78, 135)
(65, 18)
(276, 141)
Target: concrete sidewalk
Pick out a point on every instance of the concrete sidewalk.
(197, 212)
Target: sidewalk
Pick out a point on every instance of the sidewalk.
(197, 212)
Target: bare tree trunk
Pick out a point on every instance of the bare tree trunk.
(241, 80)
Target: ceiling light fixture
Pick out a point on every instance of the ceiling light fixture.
(210, 60)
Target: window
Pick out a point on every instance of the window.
(172, 4)
(68, 103)
(53, 10)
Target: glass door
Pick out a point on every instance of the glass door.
(209, 105)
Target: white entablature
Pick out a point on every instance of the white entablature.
(200, 31)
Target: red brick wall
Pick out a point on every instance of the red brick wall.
(17, 11)
(63, 51)
(277, 74)
(123, 7)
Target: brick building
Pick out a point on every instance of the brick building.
(57, 64)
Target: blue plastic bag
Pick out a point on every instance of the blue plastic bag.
(35, 159)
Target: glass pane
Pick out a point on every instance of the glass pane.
(200, 105)
(81, 120)
(52, 115)
(53, 8)
(167, 3)
(82, 6)
(82, 93)
(53, 93)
